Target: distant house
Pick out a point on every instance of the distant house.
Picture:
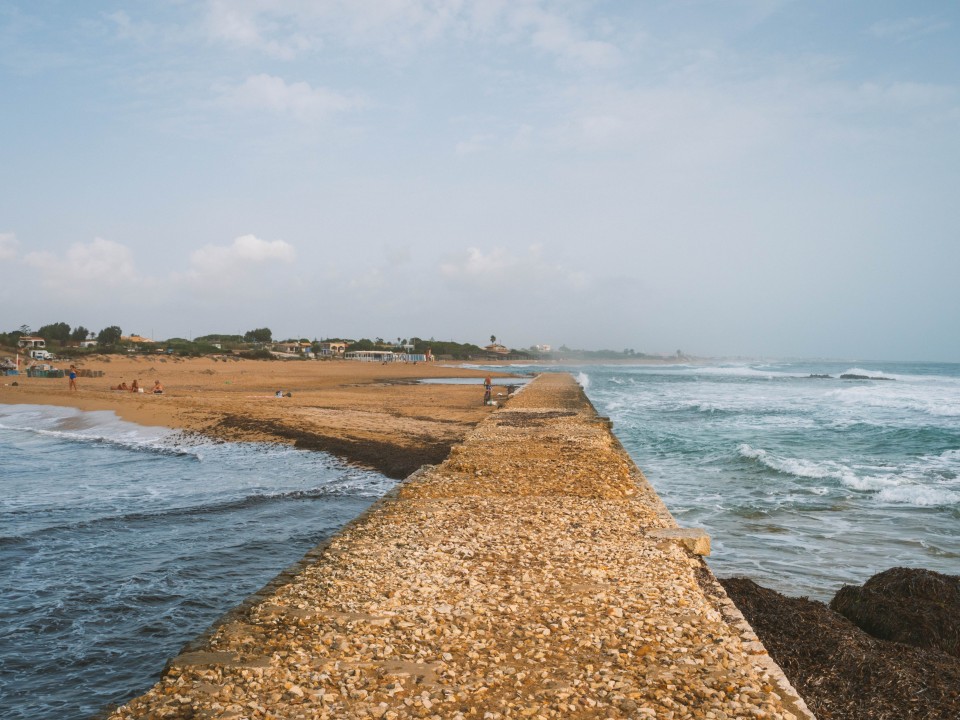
(31, 342)
(136, 339)
(497, 349)
(88, 343)
(542, 348)
(333, 349)
(292, 347)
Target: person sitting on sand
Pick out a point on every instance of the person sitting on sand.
(121, 386)
(135, 387)
(157, 388)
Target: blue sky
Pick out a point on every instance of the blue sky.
(763, 178)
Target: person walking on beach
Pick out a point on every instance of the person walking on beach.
(487, 389)
(73, 377)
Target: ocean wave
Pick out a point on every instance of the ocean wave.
(799, 467)
(368, 488)
(919, 496)
(744, 371)
(99, 426)
(584, 380)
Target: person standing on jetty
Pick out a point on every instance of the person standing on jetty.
(73, 377)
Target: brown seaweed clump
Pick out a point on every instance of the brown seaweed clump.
(908, 605)
(842, 672)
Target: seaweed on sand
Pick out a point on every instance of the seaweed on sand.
(842, 672)
(908, 605)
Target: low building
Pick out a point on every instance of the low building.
(371, 355)
(333, 349)
(497, 349)
(292, 347)
(31, 342)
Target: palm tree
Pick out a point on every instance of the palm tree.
(493, 339)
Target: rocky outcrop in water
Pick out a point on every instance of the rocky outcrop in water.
(855, 376)
(842, 672)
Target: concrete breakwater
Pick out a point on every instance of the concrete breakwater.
(534, 574)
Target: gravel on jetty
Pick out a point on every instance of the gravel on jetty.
(523, 578)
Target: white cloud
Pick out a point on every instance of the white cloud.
(100, 264)
(264, 26)
(551, 32)
(244, 251)
(8, 246)
(288, 28)
(298, 99)
(472, 145)
(903, 29)
(500, 267)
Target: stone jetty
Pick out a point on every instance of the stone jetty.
(534, 574)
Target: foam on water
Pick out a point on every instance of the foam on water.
(71, 422)
(118, 541)
(804, 482)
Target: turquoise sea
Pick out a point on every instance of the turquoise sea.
(119, 543)
(805, 481)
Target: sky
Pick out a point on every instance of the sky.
(763, 178)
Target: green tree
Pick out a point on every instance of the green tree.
(362, 344)
(493, 339)
(260, 335)
(110, 335)
(59, 332)
(79, 334)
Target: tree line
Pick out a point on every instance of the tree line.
(61, 335)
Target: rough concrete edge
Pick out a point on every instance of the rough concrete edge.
(718, 596)
(791, 699)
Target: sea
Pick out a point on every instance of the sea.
(119, 543)
(806, 475)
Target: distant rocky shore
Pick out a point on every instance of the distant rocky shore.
(887, 649)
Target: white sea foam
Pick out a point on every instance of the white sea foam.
(799, 467)
(80, 426)
(919, 496)
(742, 371)
(584, 380)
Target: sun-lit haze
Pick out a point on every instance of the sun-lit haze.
(763, 178)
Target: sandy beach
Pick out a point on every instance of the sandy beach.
(368, 413)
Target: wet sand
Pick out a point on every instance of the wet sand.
(368, 413)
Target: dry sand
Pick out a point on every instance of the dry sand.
(372, 414)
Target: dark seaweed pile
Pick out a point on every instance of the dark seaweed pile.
(845, 673)
(907, 605)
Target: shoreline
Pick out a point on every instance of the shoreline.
(377, 416)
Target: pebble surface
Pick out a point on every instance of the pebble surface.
(522, 578)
